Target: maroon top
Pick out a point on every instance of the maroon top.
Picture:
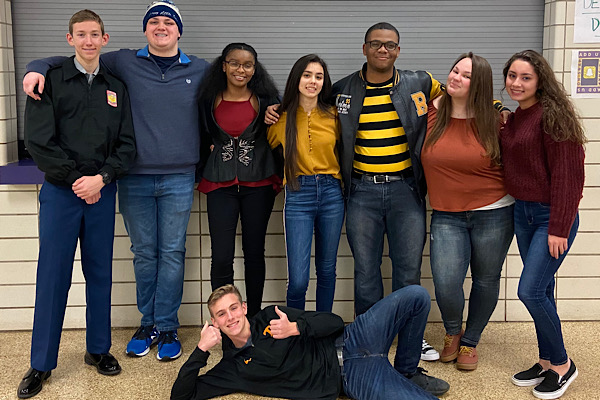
(234, 117)
(539, 169)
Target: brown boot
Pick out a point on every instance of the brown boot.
(467, 358)
(451, 344)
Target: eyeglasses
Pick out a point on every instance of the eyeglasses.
(235, 65)
(376, 45)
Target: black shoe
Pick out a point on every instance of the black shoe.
(531, 377)
(554, 386)
(32, 383)
(435, 386)
(106, 364)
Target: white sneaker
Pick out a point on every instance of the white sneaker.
(428, 353)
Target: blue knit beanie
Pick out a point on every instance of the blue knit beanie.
(164, 8)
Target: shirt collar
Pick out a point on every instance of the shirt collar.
(82, 70)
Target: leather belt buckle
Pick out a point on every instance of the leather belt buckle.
(381, 179)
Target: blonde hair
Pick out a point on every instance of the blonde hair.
(221, 292)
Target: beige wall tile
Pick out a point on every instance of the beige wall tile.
(514, 265)
(555, 59)
(591, 198)
(585, 243)
(516, 311)
(569, 30)
(123, 293)
(192, 292)
(558, 13)
(592, 128)
(14, 226)
(580, 266)
(17, 202)
(17, 273)
(344, 309)
(592, 152)
(577, 288)
(18, 249)
(570, 17)
(592, 175)
(588, 107)
(18, 188)
(589, 220)
(21, 296)
(579, 310)
(16, 318)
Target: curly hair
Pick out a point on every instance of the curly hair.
(486, 120)
(560, 120)
(290, 103)
(215, 81)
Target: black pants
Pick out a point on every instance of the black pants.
(253, 206)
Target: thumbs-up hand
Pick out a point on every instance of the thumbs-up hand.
(282, 328)
(209, 337)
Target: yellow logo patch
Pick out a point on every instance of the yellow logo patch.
(420, 103)
(111, 98)
(267, 331)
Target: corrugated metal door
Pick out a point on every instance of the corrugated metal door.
(432, 33)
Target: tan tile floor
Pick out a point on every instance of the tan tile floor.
(504, 349)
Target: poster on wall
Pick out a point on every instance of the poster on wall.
(587, 21)
(585, 78)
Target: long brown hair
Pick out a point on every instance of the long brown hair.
(485, 122)
(290, 103)
(559, 118)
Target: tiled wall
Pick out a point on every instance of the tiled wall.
(8, 98)
(577, 282)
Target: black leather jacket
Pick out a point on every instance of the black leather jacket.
(411, 92)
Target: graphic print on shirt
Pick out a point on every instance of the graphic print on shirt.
(267, 331)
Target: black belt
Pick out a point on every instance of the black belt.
(384, 178)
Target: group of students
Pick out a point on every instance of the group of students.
(368, 148)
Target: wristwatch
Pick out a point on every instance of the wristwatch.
(105, 177)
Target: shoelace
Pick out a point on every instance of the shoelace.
(448, 341)
(143, 332)
(466, 351)
(426, 346)
(167, 337)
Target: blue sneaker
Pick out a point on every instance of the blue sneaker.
(144, 338)
(169, 347)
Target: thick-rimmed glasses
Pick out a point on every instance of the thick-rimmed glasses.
(376, 45)
(235, 65)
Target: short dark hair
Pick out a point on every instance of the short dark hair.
(219, 293)
(382, 25)
(85, 15)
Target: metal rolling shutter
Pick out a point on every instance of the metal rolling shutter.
(433, 33)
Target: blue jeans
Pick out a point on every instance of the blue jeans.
(317, 206)
(478, 238)
(156, 210)
(367, 372)
(536, 286)
(376, 209)
(64, 220)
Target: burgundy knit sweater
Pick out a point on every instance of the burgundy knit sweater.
(539, 169)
